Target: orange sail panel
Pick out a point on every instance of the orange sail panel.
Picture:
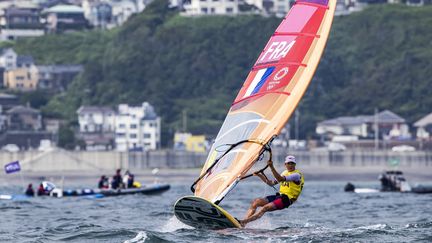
(269, 95)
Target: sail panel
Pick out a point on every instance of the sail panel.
(269, 95)
(306, 19)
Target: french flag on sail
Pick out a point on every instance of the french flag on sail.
(258, 81)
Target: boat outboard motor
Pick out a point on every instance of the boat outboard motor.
(48, 186)
(51, 189)
(349, 187)
(386, 184)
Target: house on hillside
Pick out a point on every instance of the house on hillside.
(55, 77)
(8, 101)
(211, 7)
(95, 119)
(64, 18)
(8, 58)
(99, 13)
(108, 14)
(390, 126)
(424, 127)
(20, 21)
(23, 127)
(24, 61)
(418, 3)
(22, 118)
(22, 79)
(130, 128)
(96, 127)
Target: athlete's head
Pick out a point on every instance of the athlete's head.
(290, 162)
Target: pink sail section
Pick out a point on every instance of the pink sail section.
(269, 94)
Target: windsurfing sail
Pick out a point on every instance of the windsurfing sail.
(269, 96)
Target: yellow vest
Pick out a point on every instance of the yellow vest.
(289, 188)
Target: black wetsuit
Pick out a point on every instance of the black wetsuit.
(30, 192)
(117, 180)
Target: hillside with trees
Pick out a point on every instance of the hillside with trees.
(377, 58)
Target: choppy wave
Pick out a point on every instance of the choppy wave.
(324, 213)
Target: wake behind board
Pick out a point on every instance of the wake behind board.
(200, 213)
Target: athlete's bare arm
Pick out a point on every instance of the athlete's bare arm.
(276, 174)
(265, 179)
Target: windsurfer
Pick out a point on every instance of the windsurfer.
(291, 185)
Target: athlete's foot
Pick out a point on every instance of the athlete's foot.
(242, 223)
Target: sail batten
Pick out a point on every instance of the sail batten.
(311, 4)
(263, 65)
(260, 94)
(297, 34)
(269, 95)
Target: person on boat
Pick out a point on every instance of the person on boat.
(291, 185)
(30, 191)
(126, 178)
(41, 190)
(130, 181)
(117, 180)
(103, 182)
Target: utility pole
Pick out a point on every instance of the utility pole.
(376, 125)
(184, 120)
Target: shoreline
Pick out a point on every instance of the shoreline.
(174, 176)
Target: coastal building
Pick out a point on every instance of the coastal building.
(390, 126)
(424, 127)
(94, 119)
(98, 13)
(24, 61)
(344, 7)
(22, 118)
(418, 3)
(24, 128)
(63, 18)
(8, 58)
(55, 77)
(281, 8)
(21, 79)
(108, 14)
(28, 77)
(20, 21)
(8, 101)
(97, 127)
(137, 128)
(52, 125)
(211, 7)
(189, 142)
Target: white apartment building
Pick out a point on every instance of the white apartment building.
(8, 58)
(137, 128)
(211, 7)
(93, 119)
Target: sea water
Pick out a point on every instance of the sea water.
(323, 213)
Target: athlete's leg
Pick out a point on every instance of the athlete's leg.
(266, 208)
(258, 202)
